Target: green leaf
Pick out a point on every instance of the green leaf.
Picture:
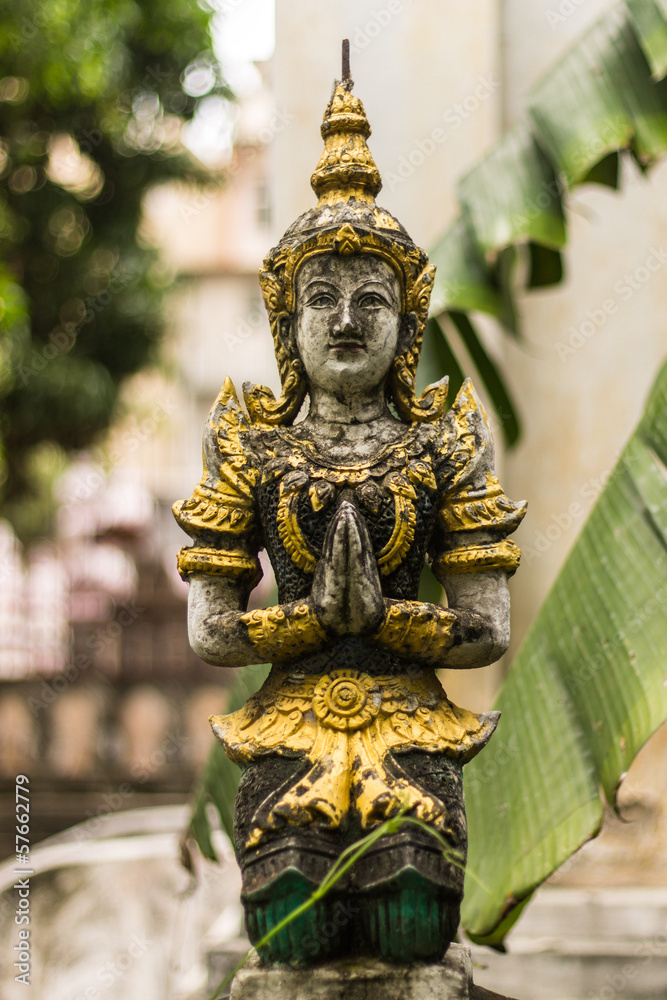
(513, 195)
(505, 273)
(430, 590)
(73, 251)
(462, 278)
(446, 360)
(218, 787)
(598, 99)
(605, 172)
(604, 96)
(491, 378)
(586, 690)
(545, 266)
(649, 22)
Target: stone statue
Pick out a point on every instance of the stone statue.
(352, 724)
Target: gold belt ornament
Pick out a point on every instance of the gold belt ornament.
(347, 723)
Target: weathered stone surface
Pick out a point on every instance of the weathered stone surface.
(365, 979)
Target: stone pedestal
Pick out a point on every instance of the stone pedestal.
(363, 979)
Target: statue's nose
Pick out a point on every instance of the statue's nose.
(345, 320)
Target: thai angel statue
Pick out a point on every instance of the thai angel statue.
(352, 725)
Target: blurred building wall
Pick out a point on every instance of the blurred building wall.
(585, 373)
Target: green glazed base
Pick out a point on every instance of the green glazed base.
(410, 920)
(315, 936)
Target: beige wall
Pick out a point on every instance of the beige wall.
(595, 342)
(533, 37)
(595, 347)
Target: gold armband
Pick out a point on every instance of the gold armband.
(279, 636)
(212, 510)
(219, 562)
(411, 628)
(503, 555)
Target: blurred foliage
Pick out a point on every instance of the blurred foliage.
(606, 98)
(93, 94)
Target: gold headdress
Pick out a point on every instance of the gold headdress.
(345, 221)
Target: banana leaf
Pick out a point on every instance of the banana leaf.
(600, 98)
(586, 690)
(649, 22)
(462, 278)
(492, 380)
(514, 195)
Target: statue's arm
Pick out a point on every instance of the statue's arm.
(222, 565)
(470, 554)
(222, 632)
(472, 631)
(480, 602)
(215, 608)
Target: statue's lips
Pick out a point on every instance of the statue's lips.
(347, 347)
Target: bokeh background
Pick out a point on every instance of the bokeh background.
(129, 290)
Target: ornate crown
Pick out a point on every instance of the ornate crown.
(345, 221)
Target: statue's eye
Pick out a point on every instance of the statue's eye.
(371, 300)
(322, 300)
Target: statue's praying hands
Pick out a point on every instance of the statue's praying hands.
(347, 593)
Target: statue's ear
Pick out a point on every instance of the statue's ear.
(408, 331)
(287, 334)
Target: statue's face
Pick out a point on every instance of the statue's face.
(347, 324)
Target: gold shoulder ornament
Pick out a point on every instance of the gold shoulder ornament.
(220, 514)
(474, 500)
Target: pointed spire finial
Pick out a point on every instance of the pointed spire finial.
(346, 168)
(345, 78)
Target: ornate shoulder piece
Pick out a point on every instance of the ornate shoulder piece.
(267, 411)
(220, 514)
(223, 500)
(473, 499)
(467, 443)
(227, 435)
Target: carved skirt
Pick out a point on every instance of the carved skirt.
(329, 757)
